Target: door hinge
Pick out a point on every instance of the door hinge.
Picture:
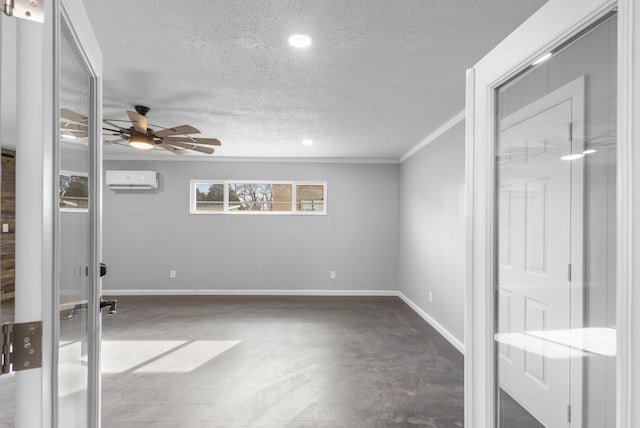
(569, 272)
(21, 346)
(570, 131)
(32, 10)
(569, 413)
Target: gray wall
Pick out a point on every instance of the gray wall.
(148, 233)
(432, 229)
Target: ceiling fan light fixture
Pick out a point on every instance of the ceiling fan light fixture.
(141, 142)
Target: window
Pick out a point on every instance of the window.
(310, 197)
(73, 191)
(258, 197)
(209, 196)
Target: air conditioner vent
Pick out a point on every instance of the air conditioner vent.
(132, 180)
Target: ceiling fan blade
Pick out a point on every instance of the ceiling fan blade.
(174, 150)
(205, 150)
(119, 140)
(139, 121)
(112, 124)
(178, 130)
(73, 134)
(205, 141)
(72, 127)
(71, 115)
(188, 146)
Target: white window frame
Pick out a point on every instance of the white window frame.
(554, 23)
(227, 211)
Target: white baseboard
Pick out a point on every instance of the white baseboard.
(371, 293)
(209, 292)
(435, 324)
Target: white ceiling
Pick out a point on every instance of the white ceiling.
(380, 76)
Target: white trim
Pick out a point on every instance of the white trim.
(33, 125)
(469, 339)
(50, 334)
(434, 135)
(75, 13)
(213, 292)
(134, 156)
(435, 324)
(628, 198)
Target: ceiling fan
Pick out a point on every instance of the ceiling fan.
(175, 140)
(73, 125)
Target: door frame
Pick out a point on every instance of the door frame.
(550, 26)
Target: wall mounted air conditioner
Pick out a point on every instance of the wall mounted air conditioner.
(132, 179)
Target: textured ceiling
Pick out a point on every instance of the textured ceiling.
(380, 76)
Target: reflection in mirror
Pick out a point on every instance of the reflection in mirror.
(555, 290)
(73, 234)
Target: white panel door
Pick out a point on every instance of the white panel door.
(534, 292)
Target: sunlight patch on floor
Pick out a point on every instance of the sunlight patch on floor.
(189, 357)
(160, 356)
(123, 355)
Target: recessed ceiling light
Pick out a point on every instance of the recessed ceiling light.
(542, 59)
(300, 41)
(588, 152)
(573, 157)
(307, 142)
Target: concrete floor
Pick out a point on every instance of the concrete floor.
(205, 361)
(513, 415)
(193, 362)
(272, 362)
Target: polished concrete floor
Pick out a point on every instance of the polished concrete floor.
(207, 361)
(275, 362)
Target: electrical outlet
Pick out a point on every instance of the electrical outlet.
(430, 296)
(332, 275)
(5, 228)
(172, 274)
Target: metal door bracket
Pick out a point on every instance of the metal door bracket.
(32, 10)
(21, 346)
